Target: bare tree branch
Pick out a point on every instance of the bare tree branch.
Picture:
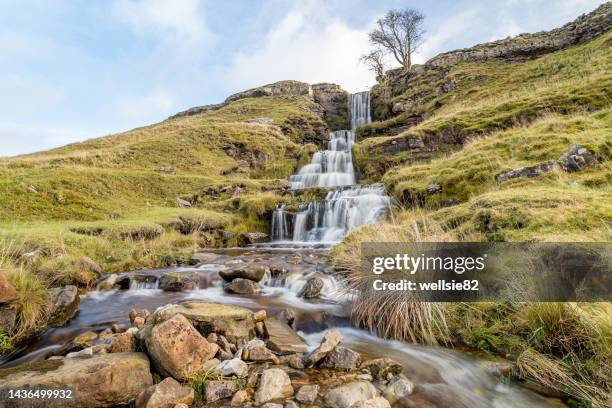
(374, 60)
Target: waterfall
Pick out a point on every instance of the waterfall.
(347, 206)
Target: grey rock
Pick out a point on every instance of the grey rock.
(341, 358)
(273, 384)
(65, 304)
(241, 286)
(307, 394)
(282, 338)
(433, 188)
(251, 271)
(532, 171)
(383, 368)
(331, 339)
(378, 402)
(234, 367)
(165, 394)
(183, 203)
(350, 394)
(577, 158)
(312, 288)
(216, 390)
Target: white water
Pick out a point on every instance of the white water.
(348, 206)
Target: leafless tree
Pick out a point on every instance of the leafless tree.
(400, 33)
(374, 60)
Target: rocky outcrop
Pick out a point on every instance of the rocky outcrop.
(524, 46)
(176, 348)
(577, 158)
(103, 380)
(277, 88)
(334, 101)
(531, 171)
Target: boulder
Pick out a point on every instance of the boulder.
(250, 238)
(348, 395)
(307, 394)
(378, 402)
(399, 387)
(251, 271)
(103, 380)
(312, 288)
(165, 394)
(8, 294)
(239, 399)
(123, 342)
(330, 341)
(177, 282)
(273, 384)
(577, 158)
(234, 367)
(256, 350)
(65, 304)
(383, 368)
(233, 322)
(176, 348)
(243, 287)
(216, 390)
(443, 395)
(341, 358)
(282, 338)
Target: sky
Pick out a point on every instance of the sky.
(74, 70)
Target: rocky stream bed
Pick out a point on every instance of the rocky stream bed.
(243, 328)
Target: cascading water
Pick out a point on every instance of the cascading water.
(346, 207)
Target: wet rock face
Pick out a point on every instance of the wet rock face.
(277, 88)
(334, 101)
(177, 349)
(240, 286)
(165, 394)
(312, 288)
(254, 272)
(65, 304)
(383, 368)
(177, 282)
(100, 381)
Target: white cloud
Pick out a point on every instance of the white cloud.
(308, 45)
(178, 23)
(145, 108)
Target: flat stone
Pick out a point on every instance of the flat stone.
(103, 380)
(165, 394)
(219, 389)
(282, 338)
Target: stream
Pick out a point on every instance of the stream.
(298, 251)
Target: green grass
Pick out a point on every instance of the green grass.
(488, 97)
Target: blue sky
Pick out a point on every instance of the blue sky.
(73, 70)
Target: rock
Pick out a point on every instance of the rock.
(177, 349)
(124, 342)
(399, 387)
(183, 203)
(433, 188)
(256, 350)
(373, 403)
(382, 368)
(252, 271)
(307, 394)
(291, 404)
(242, 287)
(334, 101)
(233, 322)
(219, 389)
(224, 343)
(348, 395)
(212, 338)
(177, 282)
(85, 339)
(277, 88)
(108, 283)
(32, 189)
(165, 394)
(260, 316)
(260, 329)
(443, 395)
(106, 334)
(85, 353)
(312, 288)
(531, 171)
(181, 405)
(239, 398)
(224, 355)
(330, 340)
(287, 316)
(205, 258)
(103, 380)
(65, 305)
(577, 158)
(282, 339)
(8, 316)
(237, 191)
(8, 294)
(167, 170)
(273, 384)
(88, 264)
(341, 358)
(116, 328)
(232, 367)
(250, 238)
(139, 322)
(296, 361)
(144, 314)
(272, 405)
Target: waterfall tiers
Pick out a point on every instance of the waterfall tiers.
(346, 207)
